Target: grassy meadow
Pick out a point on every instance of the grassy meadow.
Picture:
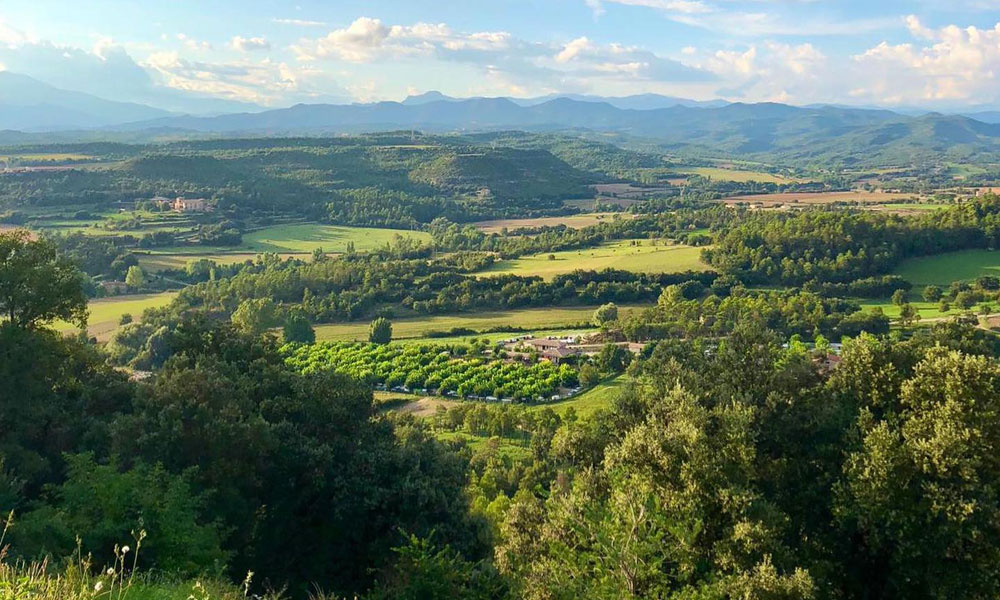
(586, 404)
(105, 313)
(309, 237)
(645, 258)
(530, 319)
(942, 269)
(926, 310)
(284, 240)
(739, 175)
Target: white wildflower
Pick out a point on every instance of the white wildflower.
(98, 586)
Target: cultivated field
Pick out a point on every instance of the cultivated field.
(155, 262)
(616, 255)
(331, 238)
(105, 313)
(285, 240)
(740, 175)
(942, 269)
(525, 318)
(808, 198)
(572, 221)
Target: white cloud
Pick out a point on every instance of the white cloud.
(249, 44)
(368, 39)
(584, 56)
(674, 6)
(299, 22)
(954, 65)
(192, 43)
(573, 49)
(263, 82)
(743, 23)
(776, 72)
(11, 37)
(360, 42)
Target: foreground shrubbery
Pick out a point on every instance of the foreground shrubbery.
(738, 464)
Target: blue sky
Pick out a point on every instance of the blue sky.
(932, 53)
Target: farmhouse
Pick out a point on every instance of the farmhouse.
(556, 350)
(190, 204)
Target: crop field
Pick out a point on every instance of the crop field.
(529, 319)
(572, 221)
(645, 258)
(431, 366)
(154, 262)
(909, 207)
(942, 269)
(105, 313)
(285, 240)
(740, 175)
(808, 198)
(331, 238)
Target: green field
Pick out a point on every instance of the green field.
(154, 262)
(105, 313)
(615, 255)
(926, 310)
(526, 318)
(331, 238)
(942, 269)
(739, 175)
(591, 401)
(514, 449)
(910, 206)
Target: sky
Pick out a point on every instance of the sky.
(940, 54)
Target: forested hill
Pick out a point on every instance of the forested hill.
(389, 180)
(827, 134)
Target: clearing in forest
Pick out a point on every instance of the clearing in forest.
(644, 258)
(571, 221)
(105, 313)
(942, 269)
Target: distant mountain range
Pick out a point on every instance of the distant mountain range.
(815, 134)
(635, 102)
(27, 104)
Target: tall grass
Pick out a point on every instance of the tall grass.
(78, 579)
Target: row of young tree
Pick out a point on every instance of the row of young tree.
(435, 368)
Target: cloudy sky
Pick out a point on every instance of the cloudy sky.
(931, 53)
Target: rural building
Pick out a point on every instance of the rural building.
(190, 204)
(556, 355)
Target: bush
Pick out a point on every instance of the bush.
(380, 331)
(106, 507)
